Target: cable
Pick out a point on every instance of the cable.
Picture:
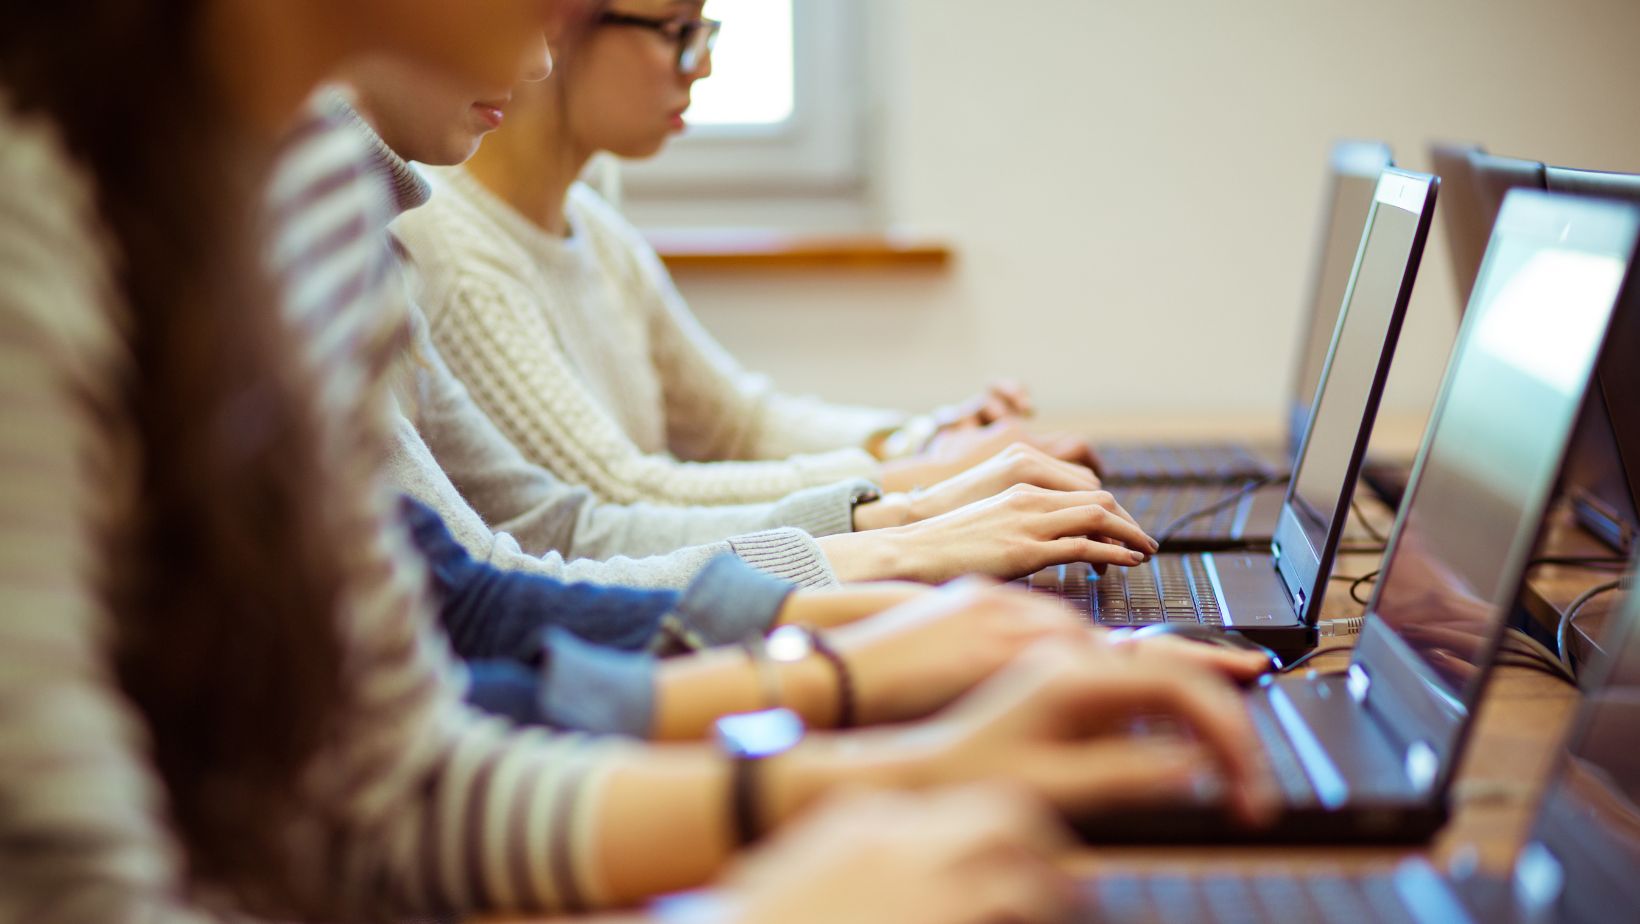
(1579, 561)
(1563, 631)
(1166, 532)
(1346, 625)
(1362, 549)
(1302, 660)
(1529, 649)
(1371, 577)
(1361, 516)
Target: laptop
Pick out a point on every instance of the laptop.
(1353, 178)
(1367, 754)
(1274, 596)
(1577, 867)
(1597, 482)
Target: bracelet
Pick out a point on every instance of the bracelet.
(846, 706)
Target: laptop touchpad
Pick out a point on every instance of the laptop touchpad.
(1253, 594)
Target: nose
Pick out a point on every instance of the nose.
(703, 70)
(537, 63)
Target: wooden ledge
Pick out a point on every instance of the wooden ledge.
(736, 249)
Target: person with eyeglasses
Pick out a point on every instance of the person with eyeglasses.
(568, 332)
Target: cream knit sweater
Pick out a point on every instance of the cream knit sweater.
(582, 351)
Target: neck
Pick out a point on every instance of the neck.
(524, 167)
(267, 58)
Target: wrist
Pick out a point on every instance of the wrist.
(880, 555)
(865, 759)
(887, 511)
(809, 688)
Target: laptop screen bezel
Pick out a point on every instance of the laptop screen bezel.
(1381, 657)
(1303, 569)
(1352, 162)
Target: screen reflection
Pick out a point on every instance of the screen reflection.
(1322, 479)
(1508, 409)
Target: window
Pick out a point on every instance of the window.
(753, 82)
(781, 112)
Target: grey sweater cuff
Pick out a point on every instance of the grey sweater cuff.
(827, 510)
(788, 554)
(595, 689)
(730, 601)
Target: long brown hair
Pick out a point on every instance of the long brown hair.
(221, 580)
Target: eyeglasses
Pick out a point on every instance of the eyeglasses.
(695, 38)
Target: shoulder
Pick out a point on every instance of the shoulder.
(55, 258)
(622, 249)
(459, 250)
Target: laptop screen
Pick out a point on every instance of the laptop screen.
(1353, 379)
(1491, 456)
(1355, 169)
(1585, 846)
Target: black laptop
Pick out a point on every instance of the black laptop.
(1367, 754)
(1352, 180)
(1578, 865)
(1274, 595)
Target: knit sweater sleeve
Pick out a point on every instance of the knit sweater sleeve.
(548, 516)
(499, 343)
(790, 554)
(715, 408)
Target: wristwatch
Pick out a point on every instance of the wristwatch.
(791, 644)
(749, 739)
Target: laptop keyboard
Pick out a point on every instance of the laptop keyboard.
(1158, 507)
(1168, 588)
(1220, 463)
(1329, 896)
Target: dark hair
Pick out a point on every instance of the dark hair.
(221, 579)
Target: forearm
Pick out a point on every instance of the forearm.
(824, 609)
(664, 819)
(694, 692)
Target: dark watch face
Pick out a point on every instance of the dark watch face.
(760, 734)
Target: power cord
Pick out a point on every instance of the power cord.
(1563, 631)
(1528, 652)
(1167, 532)
(1372, 532)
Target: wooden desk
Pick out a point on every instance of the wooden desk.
(1522, 719)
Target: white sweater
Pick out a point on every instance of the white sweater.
(582, 351)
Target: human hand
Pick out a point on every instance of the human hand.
(1018, 464)
(1057, 721)
(1019, 531)
(1239, 666)
(1002, 398)
(972, 855)
(959, 449)
(914, 659)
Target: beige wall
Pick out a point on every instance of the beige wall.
(1112, 173)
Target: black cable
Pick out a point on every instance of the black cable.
(1534, 664)
(1518, 643)
(1563, 631)
(1300, 661)
(1579, 561)
(1166, 532)
(1361, 516)
(1355, 586)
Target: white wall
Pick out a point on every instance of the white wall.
(1112, 172)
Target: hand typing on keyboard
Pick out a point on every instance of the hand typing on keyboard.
(1017, 532)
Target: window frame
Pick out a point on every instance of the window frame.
(819, 150)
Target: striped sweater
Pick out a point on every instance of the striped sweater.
(586, 356)
(422, 806)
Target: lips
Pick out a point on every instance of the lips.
(492, 114)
